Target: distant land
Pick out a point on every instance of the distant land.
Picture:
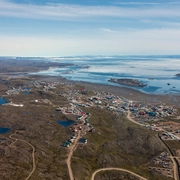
(153, 71)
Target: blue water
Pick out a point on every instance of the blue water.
(155, 71)
(65, 123)
(26, 92)
(4, 81)
(4, 130)
(2, 101)
(27, 89)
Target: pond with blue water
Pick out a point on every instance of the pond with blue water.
(2, 101)
(4, 130)
(65, 123)
(26, 92)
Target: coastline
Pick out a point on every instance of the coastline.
(99, 73)
(126, 92)
(135, 95)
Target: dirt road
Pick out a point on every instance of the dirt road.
(175, 167)
(71, 150)
(132, 120)
(116, 169)
(33, 152)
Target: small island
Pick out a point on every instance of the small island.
(128, 82)
(86, 67)
(177, 75)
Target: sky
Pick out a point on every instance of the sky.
(89, 27)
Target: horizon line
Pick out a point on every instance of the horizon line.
(71, 56)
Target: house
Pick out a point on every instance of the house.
(82, 141)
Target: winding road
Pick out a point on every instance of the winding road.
(71, 150)
(116, 169)
(73, 147)
(131, 119)
(33, 152)
(173, 158)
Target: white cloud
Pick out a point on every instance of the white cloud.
(155, 41)
(61, 11)
(148, 3)
(108, 30)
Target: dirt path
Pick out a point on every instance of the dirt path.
(175, 167)
(116, 169)
(71, 150)
(33, 152)
(132, 120)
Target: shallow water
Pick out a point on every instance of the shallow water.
(155, 71)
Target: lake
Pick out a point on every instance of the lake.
(4, 130)
(2, 101)
(65, 123)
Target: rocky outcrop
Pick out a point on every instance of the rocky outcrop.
(128, 82)
(177, 75)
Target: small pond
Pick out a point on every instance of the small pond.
(26, 92)
(65, 123)
(2, 101)
(4, 130)
(4, 81)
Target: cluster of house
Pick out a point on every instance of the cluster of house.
(38, 84)
(46, 85)
(163, 160)
(162, 164)
(139, 110)
(82, 124)
(72, 109)
(77, 128)
(150, 112)
(15, 91)
(169, 136)
(68, 142)
(144, 113)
